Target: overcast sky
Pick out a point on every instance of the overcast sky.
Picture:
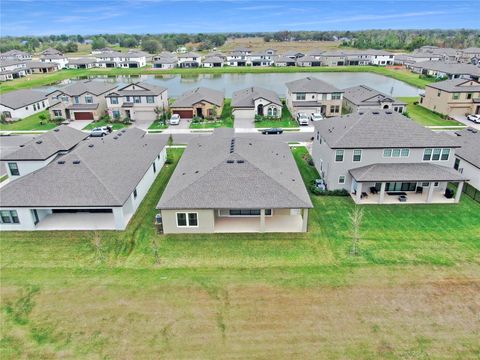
(40, 17)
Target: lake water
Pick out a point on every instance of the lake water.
(177, 84)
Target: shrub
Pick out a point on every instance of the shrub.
(105, 117)
(58, 119)
(127, 120)
(318, 192)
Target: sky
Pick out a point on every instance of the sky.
(45, 17)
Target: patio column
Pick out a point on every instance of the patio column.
(458, 194)
(305, 220)
(359, 192)
(262, 220)
(430, 191)
(119, 218)
(382, 193)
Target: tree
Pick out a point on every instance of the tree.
(356, 217)
(71, 47)
(98, 43)
(129, 42)
(151, 45)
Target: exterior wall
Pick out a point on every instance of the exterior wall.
(62, 63)
(446, 105)
(26, 110)
(26, 167)
(206, 222)
(330, 170)
(470, 172)
(332, 60)
(382, 59)
(139, 111)
(205, 106)
(356, 108)
(321, 99)
(97, 99)
(266, 105)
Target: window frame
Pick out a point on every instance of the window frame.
(150, 99)
(430, 150)
(114, 100)
(300, 96)
(447, 152)
(336, 155)
(340, 178)
(12, 219)
(17, 170)
(359, 155)
(187, 219)
(88, 99)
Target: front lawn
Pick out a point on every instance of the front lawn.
(157, 125)
(412, 292)
(425, 116)
(30, 123)
(115, 125)
(225, 120)
(286, 121)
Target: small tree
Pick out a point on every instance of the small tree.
(214, 112)
(356, 217)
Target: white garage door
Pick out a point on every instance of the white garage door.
(145, 115)
(243, 114)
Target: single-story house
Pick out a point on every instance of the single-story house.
(97, 186)
(19, 104)
(199, 102)
(362, 97)
(42, 150)
(282, 60)
(213, 61)
(82, 63)
(40, 67)
(229, 184)
(256, 100)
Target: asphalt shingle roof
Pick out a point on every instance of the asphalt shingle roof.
(143, 88)
(106, 175)
(379, 129)
(449, 68)
(364, 95)
(246, 98)
(311, 85)
(191, 97)
(470, 150)
(255, 174)
(81, 87)
(20, 98)
(456, 85)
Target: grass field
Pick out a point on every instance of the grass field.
(286, 121)
(424, 116)
(94, 124)
(413, 292)
(31, 122)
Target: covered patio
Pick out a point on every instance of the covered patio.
(77, 221)
(405, 183)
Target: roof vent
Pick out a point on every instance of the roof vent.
(240, 161)
(56, 130)
(230, 161)
(90, 146)
(196, 171)
(115, 137)
(375, 112)
(22, 145)
(39, 141)
(76, 162)
(61, 162)
(123, 130)
(388, 112)
(120, 134)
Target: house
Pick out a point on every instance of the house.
(467, 157)
(283, 60)
(470, 55)
(16, 55)
(199, 102)
(114, 59)
(165, 61)
(380, 57)
(83, 100)
(213, 61)
(42, 150)
(408, 59)
(189, 60)
(102, 50)
(362, 97)
(96, 186)
(12, 69)
(292, 54)
(261, 58)
(82, 63)
(228, 184)
(452, 97)
(256, 100)
(308, 60)
(311, 95)
(332, 58)
(137, 101)
(380, 155)
(242, 50)
(39, 67)
(20, 104)
(237, 58)
(54, 56)
(450, 70)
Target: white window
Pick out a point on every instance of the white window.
(336, 96)
(76, 100)
(445, 154)
(300, 96)
(341, 179)
(339, 155)
(187, 219)
(150, 99)
(114, 100)
(9, 217)
(88, 100)
(405, 152)
(57, 113)
(136, 99)
(427, 154)
(387, 152)
(396, 153)
(357, 155)
(436, 154)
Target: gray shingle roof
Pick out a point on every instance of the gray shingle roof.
(405, 172)
(283, 59)
(379, 129)
(311, 85)
(81, 87)
(213, 59)
(245, 98)
(187, 99)
(106, 176)
(44, 146)
(456, 85)
(267, 178)
(40, 65)
(87, 60)
(364, 95)
(470, 150)
(449, 68)
(21, 98)
(143, 88)
(166, 60)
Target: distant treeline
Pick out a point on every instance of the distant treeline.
(375, 39)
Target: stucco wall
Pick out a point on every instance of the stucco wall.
(206, 222)
(470, 172)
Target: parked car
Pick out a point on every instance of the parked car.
(101, 131)
(302, 119)
(174, 120)
(316, 117)
(474, 117)
(272, 131)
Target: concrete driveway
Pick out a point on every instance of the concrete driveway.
(244, 123)
(143, 124)
(463, 119)
(79, 124)
(184, 124)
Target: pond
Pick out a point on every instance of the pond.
(177, 84)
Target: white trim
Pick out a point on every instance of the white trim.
(186, 218)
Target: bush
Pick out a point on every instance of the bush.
(318, 192)
(197, 120)
(58, 119)
(105, 117)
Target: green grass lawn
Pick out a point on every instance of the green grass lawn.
(157, 125)
(225, 120)
(425, 116)
(29, 123)
(412, 292)
(115, 126)
(286, 121)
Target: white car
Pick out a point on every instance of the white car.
(316, 117)
(474, 118)
(302, 119)
(101, 131)
(174, 120)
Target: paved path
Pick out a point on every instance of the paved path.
(143, 124)
(464, 120)
(79, 124)
(247, 123)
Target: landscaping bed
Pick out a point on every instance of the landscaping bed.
(286, 121)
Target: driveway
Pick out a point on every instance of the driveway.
(79, 124)
(143, 124)
(184, 124)
(463, 119)
(244, 123)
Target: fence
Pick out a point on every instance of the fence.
(472, 192)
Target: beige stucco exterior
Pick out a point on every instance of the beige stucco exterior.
(65, 101)
(445, 103)
(324, 103)
(205, 106)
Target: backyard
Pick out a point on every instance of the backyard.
(424, 116)
(30, 123)
(286, 121)
(413, 290)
